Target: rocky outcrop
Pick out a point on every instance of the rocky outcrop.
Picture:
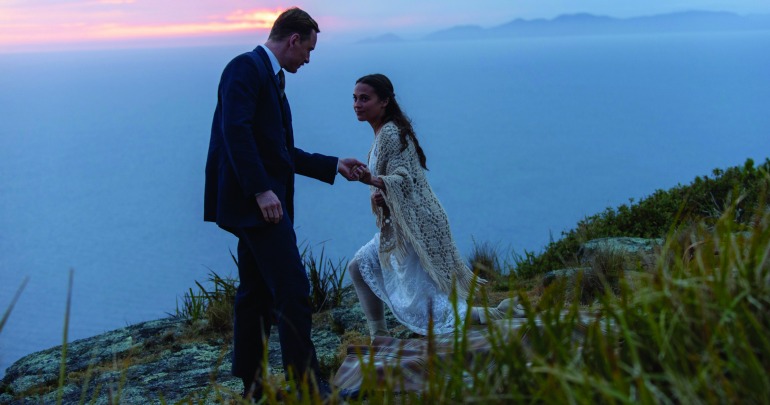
(163, 360)
(603, 263)
(170, 360)
(141, 363)
(639, 248)
(622, 253)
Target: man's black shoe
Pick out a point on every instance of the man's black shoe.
(324, 390)
(254, 397)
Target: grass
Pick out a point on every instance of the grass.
(693, 326)
(660, 214)
(216, 305)
(694, 331)
(15, 299)
(326, 279)
(6, 315)
(63, 361)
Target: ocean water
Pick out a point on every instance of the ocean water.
(102, 154)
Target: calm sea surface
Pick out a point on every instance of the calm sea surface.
(102, 154)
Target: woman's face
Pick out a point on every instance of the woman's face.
(367, 105)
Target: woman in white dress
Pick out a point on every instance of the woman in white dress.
(412, 264)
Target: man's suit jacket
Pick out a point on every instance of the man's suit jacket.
(252, 146)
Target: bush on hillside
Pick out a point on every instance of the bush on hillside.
(703, 200)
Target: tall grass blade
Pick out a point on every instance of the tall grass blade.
(7, 313)
(63, 362)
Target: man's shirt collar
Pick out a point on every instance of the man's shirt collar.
(273, 60)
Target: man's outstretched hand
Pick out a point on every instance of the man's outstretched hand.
(350, 168)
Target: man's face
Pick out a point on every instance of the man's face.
(299, 51)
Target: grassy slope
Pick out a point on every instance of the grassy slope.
(693, 330)
(660, 214)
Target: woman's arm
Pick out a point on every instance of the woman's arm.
(367, 178)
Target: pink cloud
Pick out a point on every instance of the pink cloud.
(106, 20)
(262, 17)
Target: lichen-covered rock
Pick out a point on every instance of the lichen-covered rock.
(561, 274)
(641, 249)
(605, 263)
(43, 367)
(631, 253)
(136, 364)
(164, 360)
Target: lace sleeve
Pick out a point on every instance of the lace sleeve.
(395, 162)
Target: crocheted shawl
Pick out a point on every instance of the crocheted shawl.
(416, 216)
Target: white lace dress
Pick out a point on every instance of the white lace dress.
(408, 290)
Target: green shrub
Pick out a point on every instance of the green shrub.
(655, 216)
(326, 280)
(485, 264)
(215, 305)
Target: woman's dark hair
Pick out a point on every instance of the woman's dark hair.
(291, 21)
(384, 90)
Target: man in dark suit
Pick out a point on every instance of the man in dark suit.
(250, 191)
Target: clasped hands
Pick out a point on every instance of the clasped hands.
(355, 170)
(350, 168)
(362, 173)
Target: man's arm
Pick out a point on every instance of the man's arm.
(323, 167)
(238, 91)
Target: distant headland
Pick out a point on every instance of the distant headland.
(590, 24)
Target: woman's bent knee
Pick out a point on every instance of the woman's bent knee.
(354, 271)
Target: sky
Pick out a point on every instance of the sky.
(41, 25)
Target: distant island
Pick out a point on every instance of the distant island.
(382, 38)
(589, 24)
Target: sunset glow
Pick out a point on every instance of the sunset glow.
(115, 20)
(39, 25)
(238, 21)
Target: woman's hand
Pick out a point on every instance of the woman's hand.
(364, 175)
(350, 168)
(379, 200)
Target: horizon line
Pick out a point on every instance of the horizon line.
(216, 34)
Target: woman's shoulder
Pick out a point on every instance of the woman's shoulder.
(389, 131)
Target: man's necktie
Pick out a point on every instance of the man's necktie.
(281, 81)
